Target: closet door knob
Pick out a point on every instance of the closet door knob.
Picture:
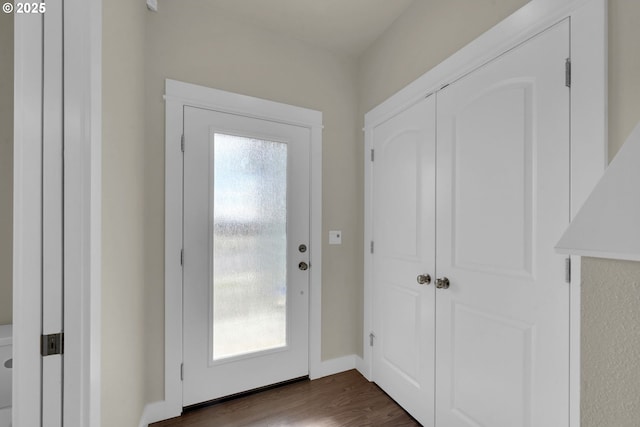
(423, 279)
(442, 283)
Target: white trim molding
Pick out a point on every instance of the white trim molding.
(81, 110)
(334, 366)
(161, 410)
(588, 19)
(82, 211)
(177, 96)
(27, 219)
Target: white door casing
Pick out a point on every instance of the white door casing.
(27, 220)
(210, 371)
(502, 339)
(82, 37)
(38, 252)
(404, 173)
(53, 199)
(178, 96)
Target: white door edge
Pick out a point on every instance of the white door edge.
(83, 60)
(177, 96)
(53, 213)
(27, 214)
(588, 128)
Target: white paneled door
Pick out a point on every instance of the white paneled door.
(471, 186)
(502, 346)
(246, 253)
(404, 224)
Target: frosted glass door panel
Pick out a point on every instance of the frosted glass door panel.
(249, 245)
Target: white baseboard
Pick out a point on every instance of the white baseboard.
(333, 366)
(163, 410)
(362, 367)
(158, 411)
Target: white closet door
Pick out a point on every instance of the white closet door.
(502, 345)
(404, 235)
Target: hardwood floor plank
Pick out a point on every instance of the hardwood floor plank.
(342, 400)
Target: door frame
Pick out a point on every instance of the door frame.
(27, 219)
(588, 44)
(177, 96)
(82, 215)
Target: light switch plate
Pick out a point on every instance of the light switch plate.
(335, 237)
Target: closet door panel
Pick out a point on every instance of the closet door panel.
(502, 203)
(404, 236)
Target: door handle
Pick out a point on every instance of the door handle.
(423, 279)
(442, 283)
(303, 266)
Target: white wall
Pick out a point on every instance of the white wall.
(123, 300)
(195, 42)
(6, 167)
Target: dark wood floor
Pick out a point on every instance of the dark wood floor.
(345, 399)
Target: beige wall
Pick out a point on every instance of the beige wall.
(610, 343)
(123, 302)
(6, 167)
(610, 289)
(195, 42)
(426, 34)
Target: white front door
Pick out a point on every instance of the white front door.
(404, 223)
(502, 341)
(246, 253)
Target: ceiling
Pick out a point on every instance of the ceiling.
(344, 26)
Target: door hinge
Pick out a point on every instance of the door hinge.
(371, 246)
(371, 337)
(182, 143)
(182, 372)
(567, 72)
(181, 257)
(567, 270)
(372, 155)
(52, 344)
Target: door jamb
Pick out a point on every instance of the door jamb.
(82, 211)
(588, 20)
(177, 96)
(82, 138)
(27, 219)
